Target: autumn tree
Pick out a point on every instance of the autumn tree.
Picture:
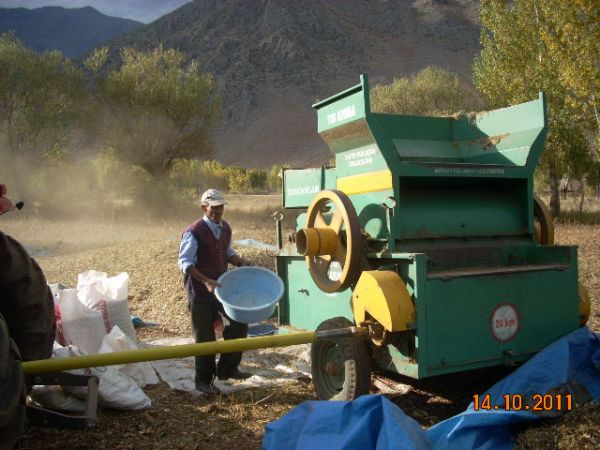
(40, 104)
(551, 46)
(433, 91)
(156, 108)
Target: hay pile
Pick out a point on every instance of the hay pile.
(577, 430)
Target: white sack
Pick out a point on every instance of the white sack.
(115, 389)
(117, 341)
(108, 295)
(54, 397)
(81, 326)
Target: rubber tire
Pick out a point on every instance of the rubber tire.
(25, 301)
(27, 331)
(357, 364)
(12, 390)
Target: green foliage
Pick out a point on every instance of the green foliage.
(551, 46)
(116, 180)
(96, 60)
(189, 177)
(275, 179)
(40, 100)
(433, 91)
(157, 108)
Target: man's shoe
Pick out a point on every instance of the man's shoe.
(207, 388)
(236, 375)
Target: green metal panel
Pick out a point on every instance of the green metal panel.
(343, 108)
(437, 207)
(507, 139)
(364, 159)
(305, 305)
(460, 324)
(371, 214)
(301, 185)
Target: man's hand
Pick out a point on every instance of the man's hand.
(211, 285)
(238, 261)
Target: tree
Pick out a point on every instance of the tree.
(156, 108)
(433, 91)
(527, 48)
(40, 98)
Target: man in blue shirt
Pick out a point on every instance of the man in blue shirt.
(204, 254)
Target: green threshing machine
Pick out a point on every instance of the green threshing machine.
(426, 233)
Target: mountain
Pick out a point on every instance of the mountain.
(274, 58)
(72, 31)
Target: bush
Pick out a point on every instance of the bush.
(189, 177)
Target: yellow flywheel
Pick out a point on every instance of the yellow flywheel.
(331, 240)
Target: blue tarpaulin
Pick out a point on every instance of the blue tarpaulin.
(369, 422)
(570, 365)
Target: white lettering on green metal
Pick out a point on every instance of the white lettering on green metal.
(342, 114)
(363, 157)
(302, 190)
(469, 170)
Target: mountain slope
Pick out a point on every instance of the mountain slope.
(72, 31)
(274, 58)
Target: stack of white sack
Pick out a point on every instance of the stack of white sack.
(115, 389)
(95, 318)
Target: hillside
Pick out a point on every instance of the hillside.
(274, 58)
(72, 31)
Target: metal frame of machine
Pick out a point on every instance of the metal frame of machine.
(427, 233)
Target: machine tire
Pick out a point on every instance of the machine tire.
(12, 390)
(27, 331)
(341, 368)
(25, 301)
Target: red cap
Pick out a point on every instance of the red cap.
(5, 204)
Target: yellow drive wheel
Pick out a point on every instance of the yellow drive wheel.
(332, 234)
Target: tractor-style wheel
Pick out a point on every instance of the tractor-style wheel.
(341, 368)
(27, 329)
(543, 222)
(12, 390)
(332, 233)
(25, 301)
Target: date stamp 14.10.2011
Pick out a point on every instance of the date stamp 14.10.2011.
(518, 402)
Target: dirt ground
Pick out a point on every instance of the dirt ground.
(177, 420)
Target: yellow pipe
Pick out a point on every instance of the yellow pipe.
(176, 351)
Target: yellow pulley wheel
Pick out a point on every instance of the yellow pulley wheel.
(542, 222)
(332, 235)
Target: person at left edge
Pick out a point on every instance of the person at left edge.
(204, 253)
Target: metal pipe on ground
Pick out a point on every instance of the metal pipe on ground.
(181, 351)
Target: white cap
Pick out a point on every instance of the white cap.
(213, 197)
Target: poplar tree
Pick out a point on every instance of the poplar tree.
(550, 46)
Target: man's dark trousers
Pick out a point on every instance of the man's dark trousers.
(205, 310)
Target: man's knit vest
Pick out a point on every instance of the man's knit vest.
(211, 256)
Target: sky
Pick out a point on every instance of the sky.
(141, 10)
